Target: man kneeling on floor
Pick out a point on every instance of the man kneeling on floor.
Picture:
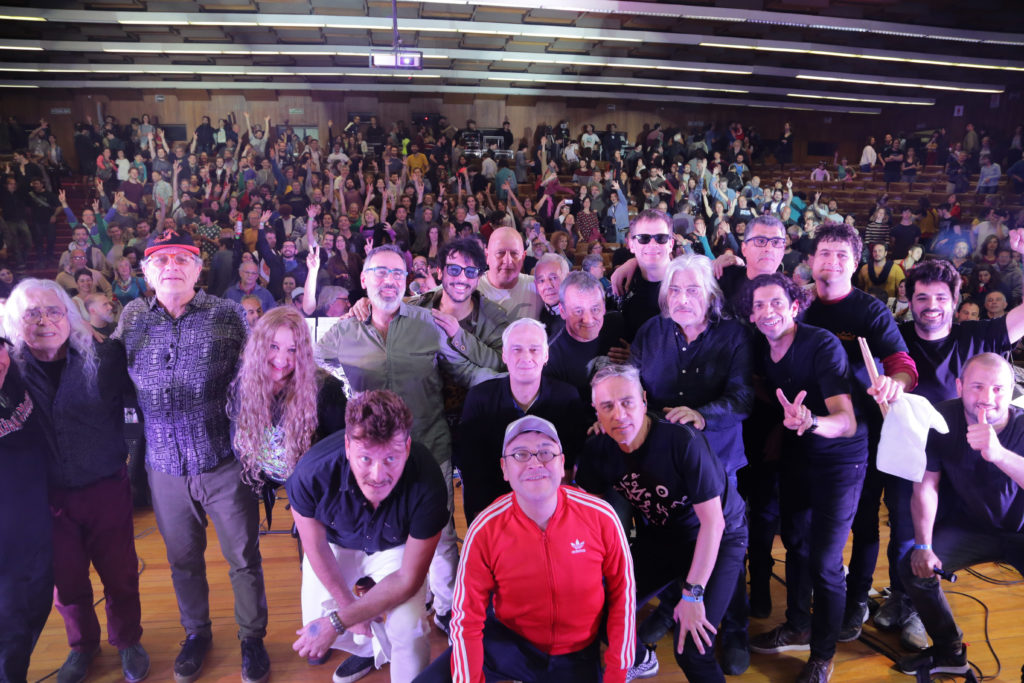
(544, 570)
(978, 517)
(368, 502)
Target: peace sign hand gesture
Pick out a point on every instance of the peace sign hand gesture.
(796, 416)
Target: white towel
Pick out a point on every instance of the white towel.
(904, 435)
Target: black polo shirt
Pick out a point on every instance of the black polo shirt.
(322, 488)
(663, 479)
(983, 496)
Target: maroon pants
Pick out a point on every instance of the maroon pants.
(93, 524)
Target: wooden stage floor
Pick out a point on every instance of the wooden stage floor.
(855, 661)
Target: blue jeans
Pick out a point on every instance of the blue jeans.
(655, 567)
(957, 547)
(817, 503)
(509, 656)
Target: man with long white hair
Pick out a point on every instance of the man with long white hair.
(78, 387)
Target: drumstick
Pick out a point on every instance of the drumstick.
(869, 361)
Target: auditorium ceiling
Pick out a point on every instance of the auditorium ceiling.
(852, 56)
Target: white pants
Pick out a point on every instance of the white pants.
(445, 562)
(406, 625)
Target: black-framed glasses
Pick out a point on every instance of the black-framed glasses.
(522, 455)
(382, 272)
(53, 313)
(762, 242)
(455, 270)
(644, 238)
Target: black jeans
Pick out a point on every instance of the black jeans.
(661, 556)
(957, 546)
(509, 656)
(818, 503)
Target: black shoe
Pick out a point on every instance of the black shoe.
(76, 666)
(936, 661)
(320, 661)
(255, 661)
(735, 653)
(189, 662)
(853, 622)
(444, 622)
(134, 663)
(657, 624)
(352, 669)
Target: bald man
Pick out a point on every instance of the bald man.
(504, 282)
(980, 510)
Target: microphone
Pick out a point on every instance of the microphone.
(948, 576)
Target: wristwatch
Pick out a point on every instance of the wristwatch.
(696, 592)
(336, 622)
(814, 425)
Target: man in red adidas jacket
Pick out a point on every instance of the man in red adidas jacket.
(554, 564)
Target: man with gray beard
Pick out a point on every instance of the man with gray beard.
(402, 349)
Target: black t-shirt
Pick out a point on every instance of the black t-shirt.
(575, 362)
(982, 494)
(939, 362)
(816, 363)
(859, 314)
(663, 479)
(903, 237)
(891, 166)
(323, 488)
(640, 304)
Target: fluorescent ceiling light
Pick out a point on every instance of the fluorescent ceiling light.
(223, 23)
(896, 84)
(15, 17)
(21, 47)
(152, 22)
(876, 57)
(17, 85)
(855, 99)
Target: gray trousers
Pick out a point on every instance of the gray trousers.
(181, 505)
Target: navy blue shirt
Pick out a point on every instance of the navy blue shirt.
(489, 408)
(939, 362)
(323, 488)
(575, 362)
(663, 479)
(816, 363)
(711, 374)
(982, 494)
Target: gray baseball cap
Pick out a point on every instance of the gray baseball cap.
(530, 423)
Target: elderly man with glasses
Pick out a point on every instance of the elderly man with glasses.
(183, 349)
(402, 349)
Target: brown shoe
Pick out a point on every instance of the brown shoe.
(816, 671)
(782, 638)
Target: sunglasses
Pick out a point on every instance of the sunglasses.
(454, 270)
(644, 238)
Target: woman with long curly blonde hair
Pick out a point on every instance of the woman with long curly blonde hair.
(280, 403)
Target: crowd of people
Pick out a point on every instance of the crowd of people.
(621, 436)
